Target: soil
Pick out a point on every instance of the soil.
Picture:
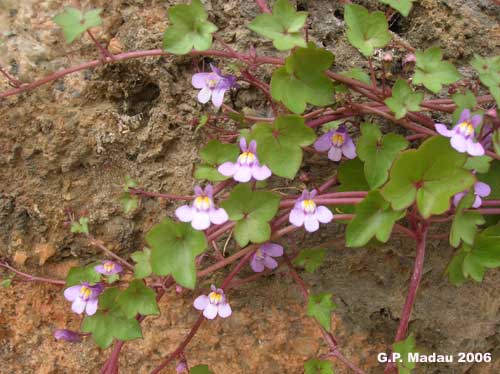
(70, 144)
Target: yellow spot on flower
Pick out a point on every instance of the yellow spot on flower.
(211, 83)
(466, 128)
(246, 158)
(215, 297)
(85, 293)
(202, 202)
(338, 139)
(109, 266)
(309, 206)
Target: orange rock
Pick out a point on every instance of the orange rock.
(20, 258)
(44, 251)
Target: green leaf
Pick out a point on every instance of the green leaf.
(76, 275)
(310, 259)
(80, 227)
(467, 100)
(432, 71)
(189, 28)
(374, 217)
(378, 153)
(109, 321)
(432, 174)
(202, 122)
(315, 366)
(142, 268)
(174, 249)
(6, 283)
(283, 26)
(403, 99)
(112, 278)
(252, 211)
(480, 164)
(366, 31)
(402, 6)
(464, 225)
(302, 80)
(473, 267)
(354, 73)
(487, 247)
(404, 348)
(200, 369)
(74, 23)
(213, 154)
(320, 306)
(488, 69)
(138, 299)
(129, 202)
(280, 146)
(454, 268)
(351, 177)
(492, 178)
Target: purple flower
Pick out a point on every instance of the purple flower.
(463, 134)
(336, 142)
(84, 297)
(182, 367)
(263, 257)
(305, 212)
(213, 84)
(213, 304)
(108, 268)
(480, 190)
(67, 335)
(202, 212)
(247, 165)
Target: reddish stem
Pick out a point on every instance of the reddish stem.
(262, 4)
(32, 278)
(13, 81)
(105, 54)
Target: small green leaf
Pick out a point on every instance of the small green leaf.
(404, 348)
(200, 369)
(252, 211)
(214, 154)
(76, 275)
(403, 99)
(129, 202)
(189, 28)
(454, 268)
(467, 100)
(302, 80)
(80, 227)
(432, 71)
(321, 306)
(174, 249)
(464, 225)
(283, 26)
(432, 174)
(315, 366)
(6, 283)
(280, 146)
(473, 267)
(480, 164)
(310, 259)
(487, 247)
(366, 31)
(110, 279)
(374, 218)
(489, 73)
(202, 122)
(74, 22)
(138, 299)
(142, 268)
(402, 6)
(378, 153)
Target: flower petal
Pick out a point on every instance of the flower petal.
(224, 310)
(100, 269)
(204, 95)
(253, 146)
(218, 216)
(228, 168)
(243, 144)
(261, 172)
(198, 191)
(272, 249)
(201, 302)
(210, 311)
(218, 97)
(243, 174)
(71, 293)
(297, 217)
(459, 143)
(324, 142)
(477, 202)
(78, 306)
(349, 149)
(201, 221)
(335, 154)
(474, 149)
(482, 189)
(443, 130)
(323, 214)
(458, 197)
(311, 223)
(270, 262)
(464, 116)
(91, 307)
(199, 80)
(476, 120)
(256, 265)
(184, 213)
(209, 190)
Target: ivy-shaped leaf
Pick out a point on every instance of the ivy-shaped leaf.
(354, 73)
(402, 6)
(280, 146)
(464, 225)
(87, 273)
(403, 99)
(283, 26)
(404, 348)
(480, 164)
(374, 218)
(200, 369)
(489, 73)
(432, 71)
(467, 100)
(189, 28)
(80, 227)
(310, 259)
(302, 80)
(129, 202)
(138, 299)
(315, 366)
(214, 154)
(174, 249)
(431, 174)
(366, 31)
(74, 22)
(142, 268)
(252, 211)
(320, 307)
(378, 153)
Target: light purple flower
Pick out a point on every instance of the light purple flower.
(480, 190)
(108, 268)
(213, 304)
(305, 212)
(84, 297)
(203, 211)
(182, 367)
(263, 257)
(463, 134)
(67, 335)
(247, 166)
(336, 142)
(213, 85)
